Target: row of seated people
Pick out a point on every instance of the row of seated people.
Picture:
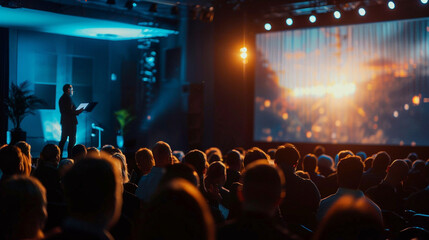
(205, 195)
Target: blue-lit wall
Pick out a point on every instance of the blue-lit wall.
(49, 60)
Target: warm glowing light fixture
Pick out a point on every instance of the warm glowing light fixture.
(416, 100)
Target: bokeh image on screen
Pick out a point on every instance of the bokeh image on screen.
(362, 84)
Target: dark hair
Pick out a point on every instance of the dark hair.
(287, 155)
(254, 154)
(319, 150)
(381, 161)
(413, 156)
(177, 211)
(309, 163)
(262, 184)
(92, 188)
(108, 149)
(198, 160)
(215, 172)
(351, 218)
(180, 170)
(50, 153)
(78, 150)
(11, 160)
(66, 87)
(398, 169)
(349, 172)
(233, 160)
(161, 151)
(144, 160)
(368, 163)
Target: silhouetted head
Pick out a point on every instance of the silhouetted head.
(381, 161)
(213, 150)
(64, 166)
(177, 211)
(162, 154)
(11, 161)
(418, 166)
(368, 163)
(93, 191)
(325, 164)
(342, 154)
(319, 150)
(309, 163)
(180, 170)
(233, 160)
(216, 174)
(107, 151)
(362, 155)
(272, 153)
(215, 156)
(50, 154)
(144, 160)
(351, 218)
(23, 212)
(287, 155)
(78, 152)
(92, 152)
(349, 172)
(254, 154)
(397, 171)
(68, 89)
(198, 160)
(413, 156)
(262, 188)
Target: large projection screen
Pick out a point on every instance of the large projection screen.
(356, 84)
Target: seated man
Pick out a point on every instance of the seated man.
(261, 194)
(93, 192)
(349, 174)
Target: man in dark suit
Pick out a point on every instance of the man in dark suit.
(68, 119)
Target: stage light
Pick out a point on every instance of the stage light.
(267, 26)
(391, 5)
(424, 1)
(416, 100)
(395, 114)
(243, 55)
(312, 19)
(362, 12)
(337, 14)
(289, 21)
(243, 49)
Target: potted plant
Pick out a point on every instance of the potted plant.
(20, 103)
(124, 117)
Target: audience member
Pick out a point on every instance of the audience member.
(216, 194)
(412, 156)
(144, 162)
(309, 165)
(148, 183)
(26, 154)
(419, 201)
(302, 199)
(235, 164)
(177, 211)
(350, 170)
(180, 170)
(351, 218)
(389, 194)
(368, 163)
(416, 180)
(93, 193)
(47, 172)
(319, 150)
(254, 154)
(261, 194)
(78, 152)
(64, 166)
(325, 165)
(11, 161)
(198, 160)
(377, 173)
(92, 152)
(23, 211)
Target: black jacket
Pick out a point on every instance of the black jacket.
(68, 110)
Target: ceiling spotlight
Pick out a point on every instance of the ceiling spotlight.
(289, 21)
(312, 19)
(424, 1)
(153, 8)
(391, 5)
(267, 26)
(362, 12)
(130, 4)
(337, 14)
